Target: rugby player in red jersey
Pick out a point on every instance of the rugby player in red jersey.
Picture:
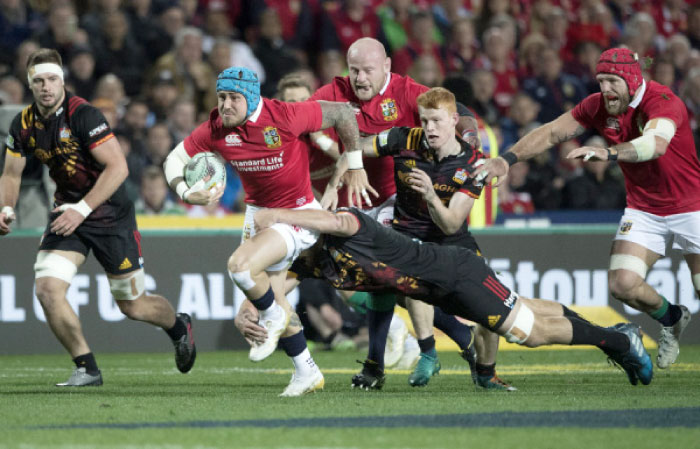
(383, 100)
(647, 130)
(261, 139)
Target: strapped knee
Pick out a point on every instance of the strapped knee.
(629, 263)
(520, 331)
(242, 279)
(382, 302)
(128, 288)
(49, 264)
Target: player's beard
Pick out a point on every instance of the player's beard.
(617, 107)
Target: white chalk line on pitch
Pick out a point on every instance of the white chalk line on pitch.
(505, 369)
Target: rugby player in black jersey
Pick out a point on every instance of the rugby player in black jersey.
(356, 253)
(92, 212)
(434, 197)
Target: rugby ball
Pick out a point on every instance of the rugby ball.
(204, 165)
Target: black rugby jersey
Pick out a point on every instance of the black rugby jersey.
(449, 175)
(380, 259)
(63, 142)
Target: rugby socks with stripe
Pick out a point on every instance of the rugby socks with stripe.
(585, 333)
(88, 362)
(295, 348)
(668, 314)
(458, 332)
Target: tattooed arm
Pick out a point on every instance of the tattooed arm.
(341, 116)
(535, 142)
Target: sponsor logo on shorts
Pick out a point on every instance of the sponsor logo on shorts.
(233, 140)
(460, 176)
(493, 320)
(389, 111)
(126, 264)
(99, 129)
(625, 227)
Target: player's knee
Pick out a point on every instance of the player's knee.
(129, 308)
(128, 288)
(239, 272)
(623, 282)
(49, 291)
(521, 329)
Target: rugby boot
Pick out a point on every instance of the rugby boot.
(300, 385)
(427, 367)
(635, 361)
(493, 383)
(370, 378)
(81, 378)
(275, 327)
(668, 341)
(185, 350)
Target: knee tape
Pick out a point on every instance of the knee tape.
(128, 288)
(696, 281)
(53, 265)
(629, 263)
(382, 302)
(520, 331)
(242, 279)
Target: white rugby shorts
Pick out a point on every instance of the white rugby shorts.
(296, 238)
(384, 213)
(655, 232)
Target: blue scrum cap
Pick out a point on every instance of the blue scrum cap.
(241, 80)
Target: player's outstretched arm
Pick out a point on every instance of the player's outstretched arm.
(652, 144)
(9, 190)
(564, 128)
(325, 222)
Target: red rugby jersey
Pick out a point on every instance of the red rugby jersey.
(666, 185)
(394, 105)
(271, 159)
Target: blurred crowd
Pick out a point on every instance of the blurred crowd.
(151, 65)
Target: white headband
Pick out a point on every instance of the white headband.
(46, 67)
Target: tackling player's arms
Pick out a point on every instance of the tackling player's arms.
(338, 223)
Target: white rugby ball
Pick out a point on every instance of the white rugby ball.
(203, 165)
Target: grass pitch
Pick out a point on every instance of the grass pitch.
(569, 398)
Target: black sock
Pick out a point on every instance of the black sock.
(177, 331)
(427, 344)
(88, 362)
(458, 332)
(378, 325)
(570, 313)
(672, 315)
(585, 333)
(486, 370)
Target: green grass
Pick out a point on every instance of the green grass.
(224, 387)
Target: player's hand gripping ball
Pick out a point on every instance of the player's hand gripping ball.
(204, 165)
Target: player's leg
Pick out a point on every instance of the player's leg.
(622, 342)
(422, 316)
(484, 372)
(247, 267)
(379, 315)
(307, 376)
(54, 271)
(118, 250)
